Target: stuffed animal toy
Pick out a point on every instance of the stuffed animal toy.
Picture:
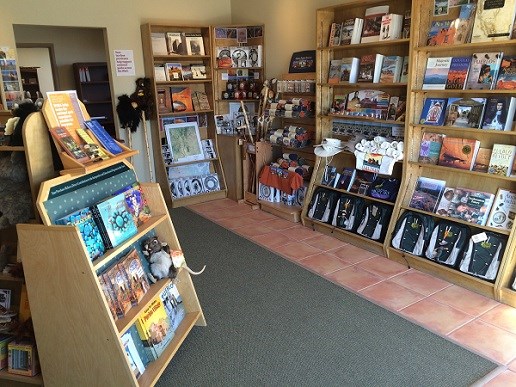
(21, 112)
(163, 262)
(128, 113)
(142, 96)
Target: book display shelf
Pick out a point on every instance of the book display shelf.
(75, 329)
(178, 60)
(238, 75)
(331, 119)
(423, 18)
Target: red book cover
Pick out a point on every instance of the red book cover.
(181, 99)
(458, 152)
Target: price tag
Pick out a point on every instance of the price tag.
(479, 237)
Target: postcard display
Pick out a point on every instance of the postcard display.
(337, 115)
(459, 134)
(178, 60)
(74, 310)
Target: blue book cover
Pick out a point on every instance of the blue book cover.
(433, 112)
(103, 137)
(173, 304)
(90, 233)
(115, 221)
(136, 203)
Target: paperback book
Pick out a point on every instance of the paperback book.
(502, 159)
(116, 279)
(483, 70)
(499, 114)
(107, 142)
(427, 193)
(507, 74)
(194, 43)
(136, 203)
(464, 23)
(441, 32)
(391, 69)
(334, 71)
(181, 99)
(465, 112)
(391, 26)
(503, 211)
(458, 153)
(135, 275)
(176, 43)
(173, 71)
(351, 31)
(92, 149)
(159, 43)
(69, 145)
(173, 303)
(430, 148)
(433, 112)
(470, 205)
(493, 20)
(458, 72)
(482, 160)
(436, 73)
(335, 32)
(373, 23)
(349, 69)
(404, 70)
(133, 357)
(366, 68)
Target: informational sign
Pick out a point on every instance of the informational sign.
(124, 63)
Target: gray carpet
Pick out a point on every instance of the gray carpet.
(273, 323)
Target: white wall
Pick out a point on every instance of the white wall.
(38, 57)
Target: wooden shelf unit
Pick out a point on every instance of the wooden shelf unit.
(325, 93)
(500, 289)
(78, 339)
(205, 118)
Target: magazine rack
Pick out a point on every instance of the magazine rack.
(78, 339)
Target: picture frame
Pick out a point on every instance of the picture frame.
(302, 62)
(184, 142)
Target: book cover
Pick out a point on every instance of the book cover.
(69, 145)
(173, 71)
(470, 205)
(499, 113)
(173, 303)
(135, 275)
(430, 147)
(443, 206)
(427, 193)
(502, 159)
(507, 74)
(5, 298)
(465, 112)
(335, 32)
(436, 73)
(483, 70)
(377, 67)
(202, 99)
(114, 220)
(103, 137)
(92, 149)
(464, 23)
(176, 43)
(346, 178)
(159, 74)
(433, 112)
(5, 339)
(186, 72)
(349, 69)
(351, 31)
(198, 71)
(115, 277)
(368, 103)
(458, 153)
(373, 23)
(334, 71)
(391, 69)
(153, 325)
(159, 43)
(458, 72)
(391, 27)
(366, 68)
(503, 211)
(442, 32)
(338, 104)
(136, 203)
(394, 102)
(90, 234)
(493, 20)
(164, 99)
(404, 70)
(135, 361)
(109, 295)
(482, 160)
(329, 175)
(194, 43)
(181, 99)
(362, 182)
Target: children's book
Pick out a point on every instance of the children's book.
(458, 153)
(430, 147)
(115, 277)
(507, 75)
(69, 145)
(442, 32)
(458, 72)
(427, 193)
(502, 159)
(136, 203)
(470, 205)
(499, 113)
(181, 99)
(109, 295)
(482, 160)
(483, 70)
(114, 220)
(373, 23)
(136, 276)
(351, 31)
(465, 112)
(90, 234)
(103, 137)
(391, 69)
(433, 112)
(173, 303)
(503, 211)
(493, 20)
(436, 73)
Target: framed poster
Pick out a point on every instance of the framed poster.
(184, 142)
(302, 62)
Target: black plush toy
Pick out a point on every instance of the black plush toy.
(128, 113)
(142, 96)
(22, 111)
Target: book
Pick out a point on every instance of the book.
(335, 31)
(482, 160)
(404, 70)
(503, 210)
(160, 74)
(90, 233)
(351, 31)
(92, 149)
(464, 23)
(362, 181)
(458, 152)
(136, 203)
(433, 112)
(198, 71)
(430, 147)
(373, 23)
(377, 67)
(115, 278)
(391, 69)
(5, 339)
(427, 193)
(366, 68)
(176, 43)
(368, 103)
(154, 326)
(391, 26)
(135, 275)
(5, 298)
(194, 43)
(159, 43)
(483, 70)
(493, 20)
(173, 303)
(339, 103)
(507, 74)
(349, 69)
(436, 73)
(499, 113)
(186, 72)
(203, 101)
(132, 354)
(470, 205)
(442, 32)
(173, 71)
(502, 159)
(329, 176)
(22, 358)
(109, 295)
(347, 176)
(458, 72)
(181, 99)
(334, 71)
(164, 99)
(103, 137)
(394, 102)
(443, 205)
(69, 145)
(407, 21)
(465, 112)
(114, 220)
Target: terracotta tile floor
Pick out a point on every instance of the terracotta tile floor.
(470, 320)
